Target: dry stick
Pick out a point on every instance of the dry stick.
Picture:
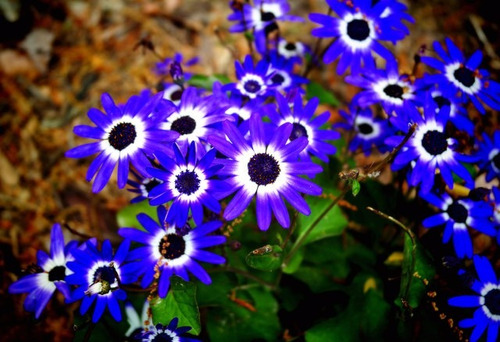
(413, 238)
(380, 165)
(75, 232)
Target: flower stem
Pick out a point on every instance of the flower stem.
(302, 238)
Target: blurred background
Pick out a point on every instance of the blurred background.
(58, 57)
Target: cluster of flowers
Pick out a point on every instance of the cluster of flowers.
(186, 149)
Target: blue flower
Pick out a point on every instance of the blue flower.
(195, 119)
(293, 51)
(463, 77)
(487, 156)
(98, 276)
(486, 300)
(253, 81)
(142, 186)
(430, 149)
(163, 67)
(126, 136)
(169, 250)
(458, 113)
(52, 276)
(396, 93)
(283, 77)
(358, 30)
(160, 332)
(305, 124)
(262, 18)
(268, 170)
(458, 215)
(136, 323)
(187, 182)
(369, 131)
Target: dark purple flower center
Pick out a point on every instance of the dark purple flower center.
(365, 128)
(263, 169)
(492, 301)
(290, 47)
(277, 79)
(172, 246)
(187, 182)
(252, 86)
(442, 101)
(176, 95)
(163, 337)
(106, 273)
(122, 135)
(267, 16)
(358, 29)
(496, 160)
(457, 212)
(464, 76)
(434, 142)
(184, 125)
(297, 131)
(394, 90)
(58, 273)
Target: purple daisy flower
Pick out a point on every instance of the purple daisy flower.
(293, 51)
(98, 276)
(170, 250)
(195, 119)
(430, 148)
(253, 81)
(305, 124)
(463, 77)
(189, 183)
(163, 67)
(486, 300)
(458, 215)
(283, 77)
(394, 92)
(126, 136)
(142, 186)
(458, 114)
(487, 156)
(268, 170)
(262, 17)
(369, 131)
(358, 30)
(160, 332)
(51, 277)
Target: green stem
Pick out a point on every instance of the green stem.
(413, 239)
(302, 238)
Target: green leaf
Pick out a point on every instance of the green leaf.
(127, 217)
(257, 319)
(365, 318)
(207, 82)
(355, 187)
(181, 303)
(294, 264)
(415, 260)
(315, 89)
(266, 258)
(332, 222)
